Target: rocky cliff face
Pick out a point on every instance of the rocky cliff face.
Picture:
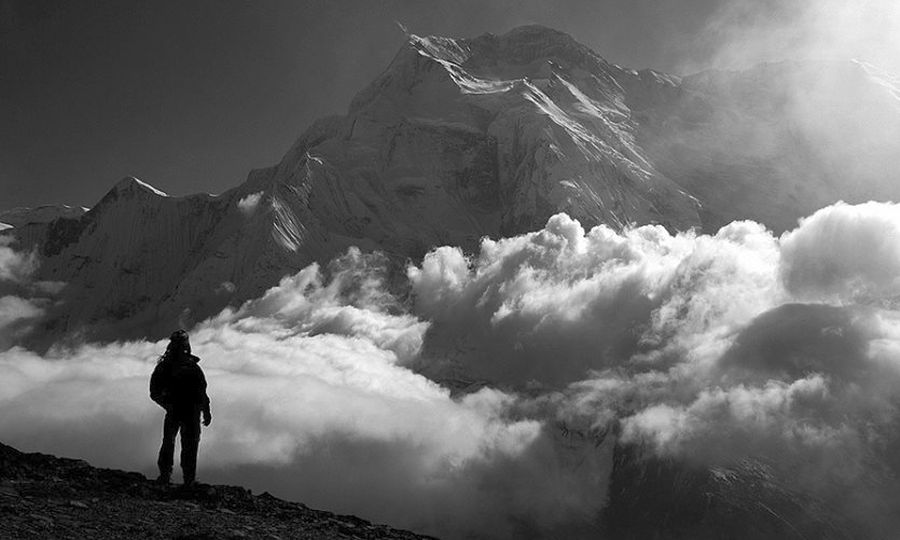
(462, 138)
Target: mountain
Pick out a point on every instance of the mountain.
(463, 138)
(43, 496)
(654, 497)
(16, 217)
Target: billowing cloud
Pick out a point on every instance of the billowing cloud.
(311, 400)
(334, 390)
(549, 306)
(707, 348)
(845, 253)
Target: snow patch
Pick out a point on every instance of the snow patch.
(129, 183)
(881, 78)
(151, 188)
(450, 54)
(288, 230)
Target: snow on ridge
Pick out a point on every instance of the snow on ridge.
(44, 213)
(881, 77)
(288, 231)
(591, 146)
(443, 48)
(130, 182)
(450, 55)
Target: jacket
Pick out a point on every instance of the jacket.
(178, 383)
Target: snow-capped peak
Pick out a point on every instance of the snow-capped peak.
(130, 183)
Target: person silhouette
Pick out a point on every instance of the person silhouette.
(179, 386)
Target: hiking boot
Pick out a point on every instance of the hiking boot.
(164, 479)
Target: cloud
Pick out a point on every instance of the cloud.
(335, 389)
(309, 392)
(594, 300)
(708, 348)
(16, 317)
(23, 301)
(845, 253)
(15, 267)
(744, 32)
(248, 204)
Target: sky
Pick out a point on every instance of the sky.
(190, 96)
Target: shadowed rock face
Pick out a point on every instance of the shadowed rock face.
(651, 497)
(464, 138)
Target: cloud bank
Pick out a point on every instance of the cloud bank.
(707, 349)
(311, 400)
(743, 32)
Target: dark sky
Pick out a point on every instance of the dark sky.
(189, 96)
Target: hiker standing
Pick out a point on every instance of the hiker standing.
(178, 386)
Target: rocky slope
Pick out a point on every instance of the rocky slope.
(43, 496)
(462, 138)
(653, 497)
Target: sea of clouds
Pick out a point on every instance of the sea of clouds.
(441, 409)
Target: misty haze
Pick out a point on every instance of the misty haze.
(503, 269)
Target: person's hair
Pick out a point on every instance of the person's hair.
(178, 343)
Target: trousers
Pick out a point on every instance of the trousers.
(188, 424)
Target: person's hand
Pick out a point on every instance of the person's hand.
(207, 418)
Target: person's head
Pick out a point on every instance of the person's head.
(179, 343)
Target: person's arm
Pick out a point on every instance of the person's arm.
(204, 399)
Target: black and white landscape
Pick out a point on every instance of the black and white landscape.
(515, 291)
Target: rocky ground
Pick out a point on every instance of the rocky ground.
(43, 496)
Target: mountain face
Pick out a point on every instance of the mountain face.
(653, 497)
(17, 217)
(463, 138)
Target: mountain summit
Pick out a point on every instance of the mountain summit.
(464, 138)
